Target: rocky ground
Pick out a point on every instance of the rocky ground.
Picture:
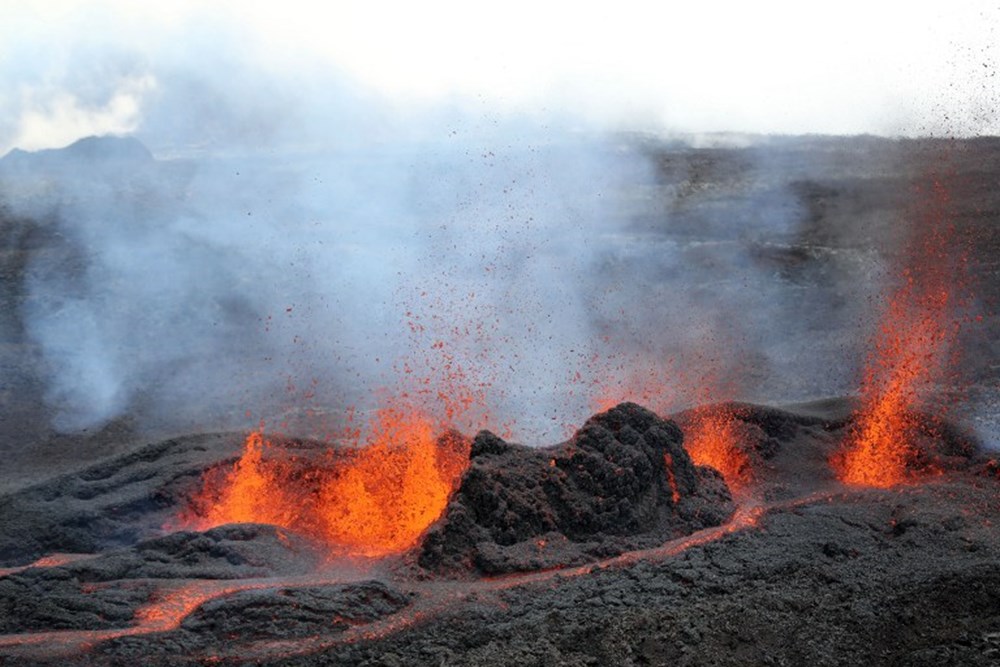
(798, 570)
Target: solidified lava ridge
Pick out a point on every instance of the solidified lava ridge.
(624, 481)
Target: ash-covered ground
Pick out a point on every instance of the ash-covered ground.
(578, 553)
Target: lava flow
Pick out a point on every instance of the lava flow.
(910, 353)
(376, 500)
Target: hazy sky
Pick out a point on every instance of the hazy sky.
(763, 66)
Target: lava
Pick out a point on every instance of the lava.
(51, 560)
(910, 353)
(391, 491)
(253, 492)
(374, 501)
(711, 438)
(170, 607)
(668, 465)
(164, 613)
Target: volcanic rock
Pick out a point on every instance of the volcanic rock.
(292, 616)
(53, 599)
(105, 591)
(294, 612)
(111, 504)
(623, 481)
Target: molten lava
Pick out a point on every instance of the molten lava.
(879, 452)
(391, 491)
(375, 501)
(712, 440)
(252, 492)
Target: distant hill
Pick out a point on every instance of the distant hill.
(89, 151)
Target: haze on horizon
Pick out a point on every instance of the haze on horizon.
(71, 68)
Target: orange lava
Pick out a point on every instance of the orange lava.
(375, 501)
(252, 492)
(668, 464)
(712, 440)
(879, 452)
(911, 352)
(51, 560)
(393, 490)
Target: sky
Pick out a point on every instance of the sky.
(69, 68)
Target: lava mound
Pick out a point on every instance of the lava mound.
(622, 482)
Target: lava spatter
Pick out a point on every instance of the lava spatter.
(712, 439)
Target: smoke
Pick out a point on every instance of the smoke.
(296, 242)
(552, 269)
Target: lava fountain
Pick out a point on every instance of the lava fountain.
(910, 352)
(712, 440)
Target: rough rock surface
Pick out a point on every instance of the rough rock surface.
(898, 577)
(808, 572)
(111, 504)
(105, 591)
(293, 612)
(624, 481)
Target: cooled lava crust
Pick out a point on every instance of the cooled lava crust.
(614, 549)
(623, 482)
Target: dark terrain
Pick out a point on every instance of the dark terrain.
(805, 571)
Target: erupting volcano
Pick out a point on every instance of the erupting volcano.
(777, 480)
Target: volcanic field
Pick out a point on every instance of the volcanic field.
(686, 522)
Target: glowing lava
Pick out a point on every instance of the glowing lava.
(252, 492)
(712, 440)
(376, 500)
(391, 491)
(879, 452)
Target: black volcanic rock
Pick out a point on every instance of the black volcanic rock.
(114, 503)
(611, 488)
(294, 612)
(106, 590)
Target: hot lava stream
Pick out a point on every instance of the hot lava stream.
(411, 589)
(175, 603)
